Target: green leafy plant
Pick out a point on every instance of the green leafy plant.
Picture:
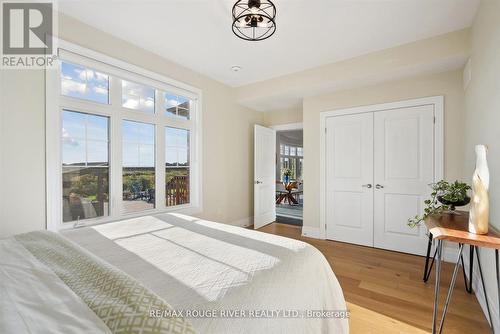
(442, 191)
(286, 172)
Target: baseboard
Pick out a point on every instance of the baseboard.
(311, 232)
(244, 222)
(478, 291)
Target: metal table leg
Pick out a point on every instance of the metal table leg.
(427, 270)
(468, 283)
(452, 286)
(498, 283)
(439, 250)
(484, 287)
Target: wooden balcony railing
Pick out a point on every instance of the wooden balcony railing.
(177, 190)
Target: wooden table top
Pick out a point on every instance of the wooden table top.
(455, 227)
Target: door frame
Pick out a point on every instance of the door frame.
(288, 126)
(436, 101)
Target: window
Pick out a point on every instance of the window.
(138, 172)
(84, 83)
(113, 151)
(177, 106)
(290, 157)
(138, 97)
(177, 166)
(300, 151)
(85, 166)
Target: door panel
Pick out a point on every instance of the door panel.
(349, 166)
(264, 176)
(403, 167)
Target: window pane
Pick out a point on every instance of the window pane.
(300, 170)
(177, 166)
(177, 106)
(85, 151)
(84, 83)
(281, 149)
(293, 167)
(300, 151)
(74, 124)
(292, 150)
(138, 166)
(138, 97)
(287, 150)
(97, 153)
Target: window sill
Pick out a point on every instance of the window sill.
(187, 209)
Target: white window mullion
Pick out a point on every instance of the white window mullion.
(116, 185)
(160, 167)
(195, 155)
(160, 152)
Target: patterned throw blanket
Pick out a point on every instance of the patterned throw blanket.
(120, 301)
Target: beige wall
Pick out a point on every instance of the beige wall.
(283, 116)
(227, 136)
(448, 84)
(482, 119)
(22, 136)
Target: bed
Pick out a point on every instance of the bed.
(210, 277)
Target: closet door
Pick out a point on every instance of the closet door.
(349, 175)
(403, 169)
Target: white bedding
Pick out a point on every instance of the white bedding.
(201, 265)
(34, 300)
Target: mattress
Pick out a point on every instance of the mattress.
(223, 278)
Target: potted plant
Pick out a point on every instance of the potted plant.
(286, 172)
(444, 196)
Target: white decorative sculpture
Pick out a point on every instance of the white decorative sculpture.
(480, 204)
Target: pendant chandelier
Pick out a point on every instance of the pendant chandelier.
(254, 20)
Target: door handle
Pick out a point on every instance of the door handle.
(367, 185)
(258, 182)
(379, 186)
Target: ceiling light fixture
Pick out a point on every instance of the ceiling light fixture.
(235, 68)
(254, 20)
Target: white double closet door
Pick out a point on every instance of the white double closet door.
(378, 168)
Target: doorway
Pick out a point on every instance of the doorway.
(289, 174)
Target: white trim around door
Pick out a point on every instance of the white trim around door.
(288, 126)
(436, 101)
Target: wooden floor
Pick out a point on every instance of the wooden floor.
(385, 292)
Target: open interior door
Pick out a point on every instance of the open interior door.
(264, 176)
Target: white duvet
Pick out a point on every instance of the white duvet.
(33, 300)
(200, 266)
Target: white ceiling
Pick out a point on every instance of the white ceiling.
(197, 33)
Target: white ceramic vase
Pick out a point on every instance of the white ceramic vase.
(479, 215)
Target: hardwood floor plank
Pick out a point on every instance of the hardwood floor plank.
(385, 292)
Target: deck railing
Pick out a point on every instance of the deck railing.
(177, 190)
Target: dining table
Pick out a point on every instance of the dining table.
(285, 194)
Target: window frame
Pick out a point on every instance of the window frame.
(117, 70)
